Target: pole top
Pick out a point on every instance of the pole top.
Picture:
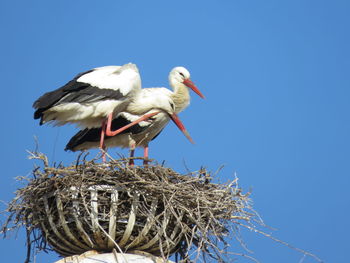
(92, 256)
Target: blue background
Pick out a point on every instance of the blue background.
(276, 79)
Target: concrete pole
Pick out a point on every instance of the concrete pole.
(114, 257)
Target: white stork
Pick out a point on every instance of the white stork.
(90, 97)
(95, 97)
(139, 135)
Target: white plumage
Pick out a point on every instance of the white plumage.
(124, 79)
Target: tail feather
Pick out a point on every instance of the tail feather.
(86, 135)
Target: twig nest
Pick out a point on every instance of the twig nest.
(84, 216)
(112, 206)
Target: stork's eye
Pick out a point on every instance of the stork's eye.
(182, 74)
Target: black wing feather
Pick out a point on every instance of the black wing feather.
(52, 97)
(73, 91)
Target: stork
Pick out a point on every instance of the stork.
(90, 97)
(140, 134)
(94, 98)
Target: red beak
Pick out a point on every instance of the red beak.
(191, 85)
(179, 124)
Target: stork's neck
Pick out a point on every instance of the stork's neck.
(181, 97)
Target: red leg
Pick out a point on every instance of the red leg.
(132, 152)
(145, 155)
(102, 141)
(113, 133)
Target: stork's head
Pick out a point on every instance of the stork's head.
(179, 77)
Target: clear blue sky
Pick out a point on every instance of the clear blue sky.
(276, 78)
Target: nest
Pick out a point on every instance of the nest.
(106, 206)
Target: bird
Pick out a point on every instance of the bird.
(89, 97)
(138, 135)
(143, 132)
(94, 97)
